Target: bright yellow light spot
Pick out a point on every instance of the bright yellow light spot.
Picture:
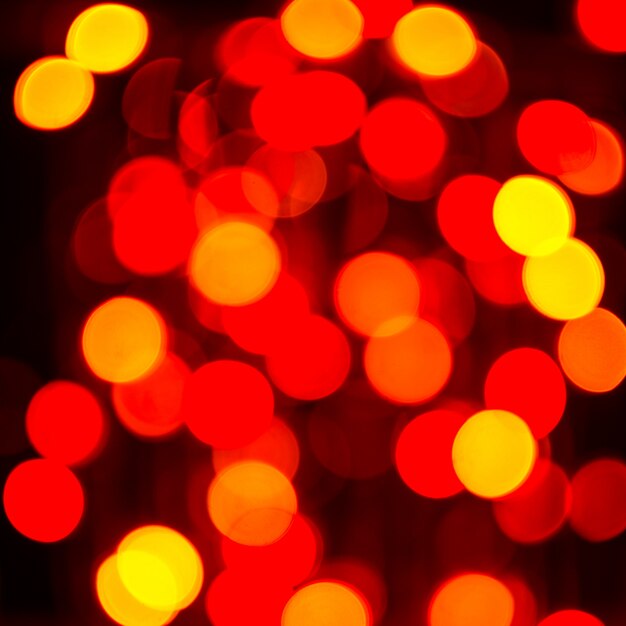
(606, 171)
(592, 351)
(327, 602)
(565, 284)
(532, 215)
(120, 605)
(107, 37)
(493, 453)
(234, 263)
(160, 568)
(123, 340)
(373, 290)
(472, 600)
(252, 503)
(322, 29)
(434, 41)
(52, 93)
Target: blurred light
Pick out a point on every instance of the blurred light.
(43, 500)
(120, 605)
(465, 217)
(218, 413)
(556, 137)
(292, 559)
(239, 597)
(252, 503)
(52, 93)
(411, 366)
(471, 600)
(493, 453)
(123, 339)
(277, 446)
(152, 406)
(532, 215)
(381, 17)
(107, 37)
(377, 294)
(301, 111)
(402, 139)
(330, 602)
(160, 568)
(499, 280)
(565, 284)
(592, 351)
(197, 127)
(423, 453)
(602, 23)
(234, 263)
(539, 508)
(322, 29)
(65, 422)
(528, 383)
(599, 500)
(434, 41)
(570, 617)
(311, 360)
(606, 170)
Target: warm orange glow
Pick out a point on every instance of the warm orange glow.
(322, 29)
(493, 453)
(330, 603)
(252, 503)
(120, 605)
(411, 366)
(592, 351)
(234, 263)
(123, 340)
(53, 93)
(377, 293)
(471, 600)
(160, 568)
(434, 41)
(565, 284)
(107, 37)
(606, 170)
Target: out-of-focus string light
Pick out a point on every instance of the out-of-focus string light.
(602, 23)
(570, 617)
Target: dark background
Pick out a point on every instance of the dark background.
(48, 178)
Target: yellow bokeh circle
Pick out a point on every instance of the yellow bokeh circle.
(235, 263)
(322, 29)
(107, 37)
(434, 41)
(566, 284)
(53, 93)
(532, 215)
(123, 340)
(493, 453)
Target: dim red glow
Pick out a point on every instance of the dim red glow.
(529, 383)
(312, 359)
(556, 137)
(410, 366)
(602, 23)
(197, 126)
(539, 508)
(152, 406)
(423, 454)
(301, 111)
(381, 17)
(570, 617)
(240, 597)
(43, 500)
(599, 500)
(292, 559)
(402, 139)
(377, 294)
(471, 600)
(499, 281)
(218, 413)
(65, 422)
